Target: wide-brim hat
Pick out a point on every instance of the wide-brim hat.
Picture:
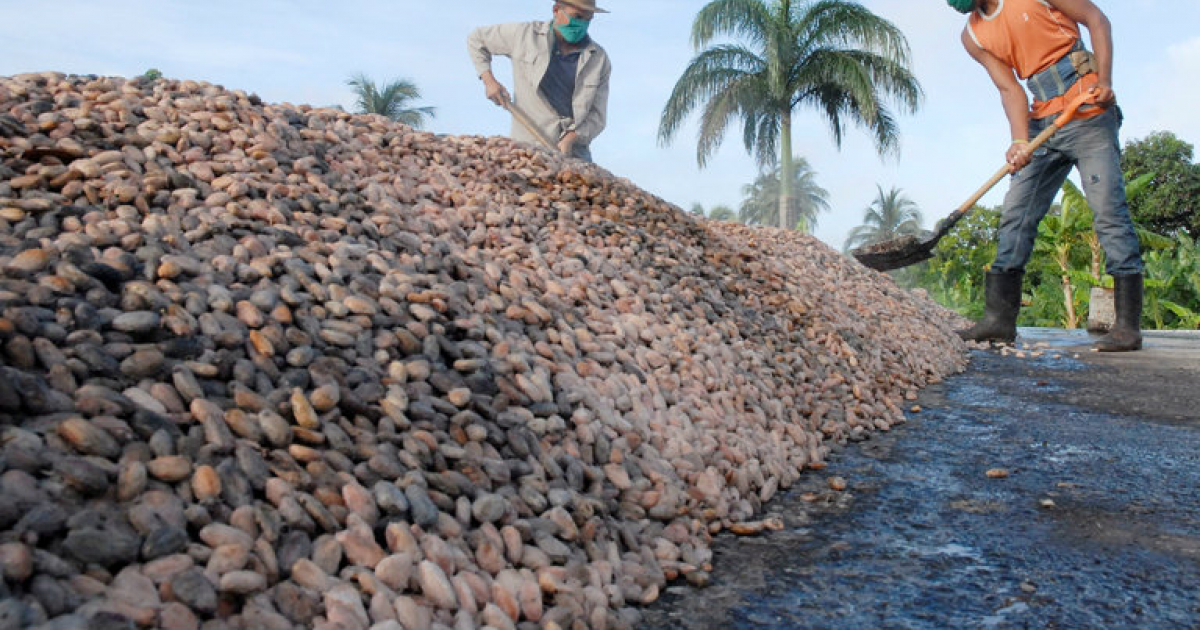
(586, 5)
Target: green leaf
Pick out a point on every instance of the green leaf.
(1188, 317)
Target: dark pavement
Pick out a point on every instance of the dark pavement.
(1096, 525)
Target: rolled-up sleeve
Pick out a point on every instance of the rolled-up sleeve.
(487, 41)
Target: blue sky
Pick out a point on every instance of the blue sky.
(302, 51)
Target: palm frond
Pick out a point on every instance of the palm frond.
(390, 101)
(890, 215)
(746, 19)
(710, 73)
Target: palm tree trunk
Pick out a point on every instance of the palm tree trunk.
(785, 168)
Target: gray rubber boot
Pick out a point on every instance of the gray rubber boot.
(1002, 302)
(1126, 334)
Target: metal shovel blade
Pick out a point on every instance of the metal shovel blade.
(908, 250)
(896, 253)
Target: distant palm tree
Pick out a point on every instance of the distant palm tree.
(835, 56)
(890, 215)
(761, 203)
(390, 101)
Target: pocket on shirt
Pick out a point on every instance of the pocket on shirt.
(530, 59)
(587, 90)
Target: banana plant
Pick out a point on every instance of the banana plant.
(1159, 277)
(1173, 285)
(1187, 317)
(1075, 198)
(1062, 236)
(1061, 240)
(1187, 254)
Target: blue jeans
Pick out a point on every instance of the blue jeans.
(582, 151)
(1092, 145)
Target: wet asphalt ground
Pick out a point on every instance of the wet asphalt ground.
(1096, 525)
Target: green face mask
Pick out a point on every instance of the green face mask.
(573, 31)
(962, 6)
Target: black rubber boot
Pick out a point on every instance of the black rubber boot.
(1126, 334)
(1002, 300)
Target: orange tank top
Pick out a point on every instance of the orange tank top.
(1029, 36)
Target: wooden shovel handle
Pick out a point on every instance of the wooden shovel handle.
(527, 123)
(1068, 114)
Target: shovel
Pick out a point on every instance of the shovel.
(527, 123)
(910, 250)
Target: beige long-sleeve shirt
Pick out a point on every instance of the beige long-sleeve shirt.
(530, 45)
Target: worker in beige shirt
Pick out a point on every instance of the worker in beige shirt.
(560, 74)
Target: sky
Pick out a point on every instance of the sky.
(302, 51)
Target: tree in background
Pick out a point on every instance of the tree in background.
(1068, 259)
(719, 212)
(1172, 203)
(1064, 265)
(891, 215)
(1173, 285)
(722, 213)
(761, 203)
(153, 74)
(955, 274)
(391, 101)
(835, 56)
(1061, 254)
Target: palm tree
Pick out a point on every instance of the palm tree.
(761, 203)
(890, 215)
(832, 55)
(390, 101)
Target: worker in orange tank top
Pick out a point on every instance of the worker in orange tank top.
(1040, 42)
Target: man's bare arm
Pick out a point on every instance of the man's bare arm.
(1086, 12)
(1012, 97)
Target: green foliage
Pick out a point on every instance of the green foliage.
(889, 216)
(834, 56)
(1188, 318)
(1067, 262)
(1068, 255)
(1172, 203)
(761, 203)
(719, 212)
(722, 213)
(1062, 247)
(954, 276)
(391, 100)
(969, 248)
(153, 74)
(1173, 285)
